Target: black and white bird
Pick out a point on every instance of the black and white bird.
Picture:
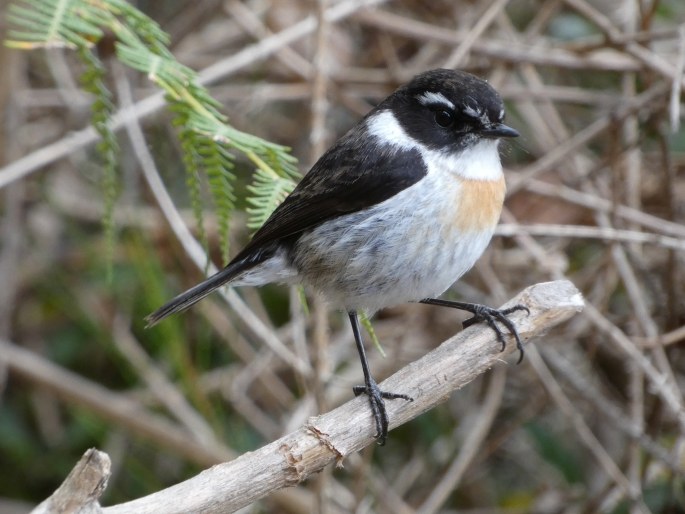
(395, 211)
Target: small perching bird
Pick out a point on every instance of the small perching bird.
(395, 211)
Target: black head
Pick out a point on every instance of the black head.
(448, 110)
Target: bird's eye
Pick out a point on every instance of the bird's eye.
(444, 118)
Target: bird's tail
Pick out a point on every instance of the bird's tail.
(198, 292)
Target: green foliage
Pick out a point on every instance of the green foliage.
(102, 109)
(269, 190)
(192, 163)
(556, 452)
(52, 23)
(207, 141)
(366, 323)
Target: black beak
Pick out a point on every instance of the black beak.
(498, 130)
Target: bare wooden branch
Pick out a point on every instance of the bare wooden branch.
(331, 437)
(80, 491)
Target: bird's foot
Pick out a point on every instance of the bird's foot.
(377, 401)
(490, 315)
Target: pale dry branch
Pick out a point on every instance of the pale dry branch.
(329, 438)
(590, 232)
(497, 50)
(460, 53)
(598, 203)
(584, 432)
(167, 393)
(472, 444)
(80, 491)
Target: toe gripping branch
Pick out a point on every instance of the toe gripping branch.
(370, 388)
(490, 316)
(480, 313)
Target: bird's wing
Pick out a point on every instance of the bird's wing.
(352, 175)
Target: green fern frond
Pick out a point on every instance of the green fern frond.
(269, 191)
(193, 167)
(264, 154)
(50, 23)
(102, 109)
(218, 165)
(203, 150)
(146, 28)
(206, 139)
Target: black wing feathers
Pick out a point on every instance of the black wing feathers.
(352, 175)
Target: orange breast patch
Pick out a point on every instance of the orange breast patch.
(478, 204)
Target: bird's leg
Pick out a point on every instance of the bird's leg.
(487, 314)
(370, 388)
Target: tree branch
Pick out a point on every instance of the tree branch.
(332, 436)
(80, 491)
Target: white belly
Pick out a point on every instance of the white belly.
(404, 249)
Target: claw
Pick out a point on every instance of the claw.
(490, 315)
(377, 402)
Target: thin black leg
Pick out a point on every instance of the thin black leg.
(370, 387)
(488, 314)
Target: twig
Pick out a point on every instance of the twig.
(331, 437)
(80, 491)
(677, 87)
(649, 59)
(498, 50)
(675, 336)
(584, 136)
(659, 382)
(599, 41)
(583, 430)
(459, 54)
(249, 21)
(590, 390)
(472, 443)
(160, 386)
(590, 232)
(596, 202)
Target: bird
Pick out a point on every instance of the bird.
(395, 211)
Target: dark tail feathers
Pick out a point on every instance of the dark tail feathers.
(197, 293)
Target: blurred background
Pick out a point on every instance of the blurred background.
(593, 420)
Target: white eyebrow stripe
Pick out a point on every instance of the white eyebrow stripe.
(472, 112)
(431, 98)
